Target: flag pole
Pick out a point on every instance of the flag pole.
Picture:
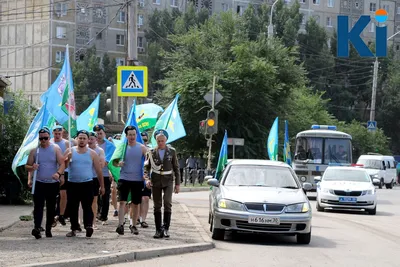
(69, 103)
(37, 151)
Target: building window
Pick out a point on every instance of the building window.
(61, 32)
(141, 3)
(287, 1)
(140, 42)
(120, 39)
(304, 20)
(61, 9)
(121, 17)
(302, 1)
(99, 35)
(356, 4)
(330, 3)
(329, 22)
(372, 27)
(225, 7)
(386, 7)
(240, 10)
(174, 3)
(157, 2)
(397, 47)
(120, 61)
(140, 20)
(372, 7)
(60, 56)
(398, 10)
(316, 2)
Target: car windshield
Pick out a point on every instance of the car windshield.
(346, 175)
(256, 175)
(370, 163)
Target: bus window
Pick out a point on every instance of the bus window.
(309, 148)
(337, 151)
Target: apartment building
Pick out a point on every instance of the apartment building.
(34, 33)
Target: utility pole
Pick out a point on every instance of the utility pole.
(132, 41)
(211, 136)
(374, 85)
(270, 26)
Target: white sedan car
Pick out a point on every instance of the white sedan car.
(346, 188)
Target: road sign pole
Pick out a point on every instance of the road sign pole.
(211, 136)
(233, 150)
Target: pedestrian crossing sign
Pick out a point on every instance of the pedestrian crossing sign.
(132, 81)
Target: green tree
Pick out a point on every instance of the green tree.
(287, 21)
(14, 126)
(91, 76)
(260, 73)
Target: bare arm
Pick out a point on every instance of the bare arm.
(147, 165)
(60, 160)
(67, 157)
(98, 169)
(31, 160)
(102, 158)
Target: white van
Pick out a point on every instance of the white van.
(382, 169)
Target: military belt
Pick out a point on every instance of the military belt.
(162, 172)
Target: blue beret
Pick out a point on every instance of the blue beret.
(57, 127)
(99, 127)
(44, 130)
(83, 132)
(161, 132)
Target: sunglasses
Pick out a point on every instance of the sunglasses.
(43, 138)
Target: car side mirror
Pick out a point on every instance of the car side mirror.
(317, 179)
(208, 177)
(307, 186)
(213, 182)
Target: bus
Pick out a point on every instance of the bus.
(318, 148)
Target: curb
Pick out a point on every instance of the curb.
(193, 189)
(138, 255)
(122, 257)
(3, 228)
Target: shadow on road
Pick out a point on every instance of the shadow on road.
(273, 240)
(357, 212)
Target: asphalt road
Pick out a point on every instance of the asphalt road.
(338, 239)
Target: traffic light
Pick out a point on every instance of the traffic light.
(112, 103)
(202, 127)
(212, 122)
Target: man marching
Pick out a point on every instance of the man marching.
(131, 178)
(50, 166)
(163, 164)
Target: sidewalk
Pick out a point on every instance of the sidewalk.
(19, 247)
(9, 215)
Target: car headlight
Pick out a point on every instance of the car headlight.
(297, 208)
(327, 190)
(375, 176)
(230, 205)
(368, 192)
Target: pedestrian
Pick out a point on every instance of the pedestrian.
(162, 165)
(50, 168)
(105, 199)
(146, 192)
(81, 161)
(131, 178)
(96, 184)
(62, 200)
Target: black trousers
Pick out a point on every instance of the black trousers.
(104, 201)
(80, 193)
(45, 192)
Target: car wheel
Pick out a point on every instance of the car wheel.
(319, 208)
(209, 218)
(372, 212)
(381, 184)
(304, 239)
(217, 234)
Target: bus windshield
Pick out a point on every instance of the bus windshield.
(321, 150)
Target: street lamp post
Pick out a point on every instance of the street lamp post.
(270, 26)
(374, 84)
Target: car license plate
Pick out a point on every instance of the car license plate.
(348, 199)
(264, 220)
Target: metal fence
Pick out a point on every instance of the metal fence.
(194, 176)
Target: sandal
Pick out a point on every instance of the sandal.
(144, 224)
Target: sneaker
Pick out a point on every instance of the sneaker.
(134, 230)
(61, 220)
(48, 234)
(71, 234)
(115, 213)
(36, 233)
(120, 230)
(89, 232)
